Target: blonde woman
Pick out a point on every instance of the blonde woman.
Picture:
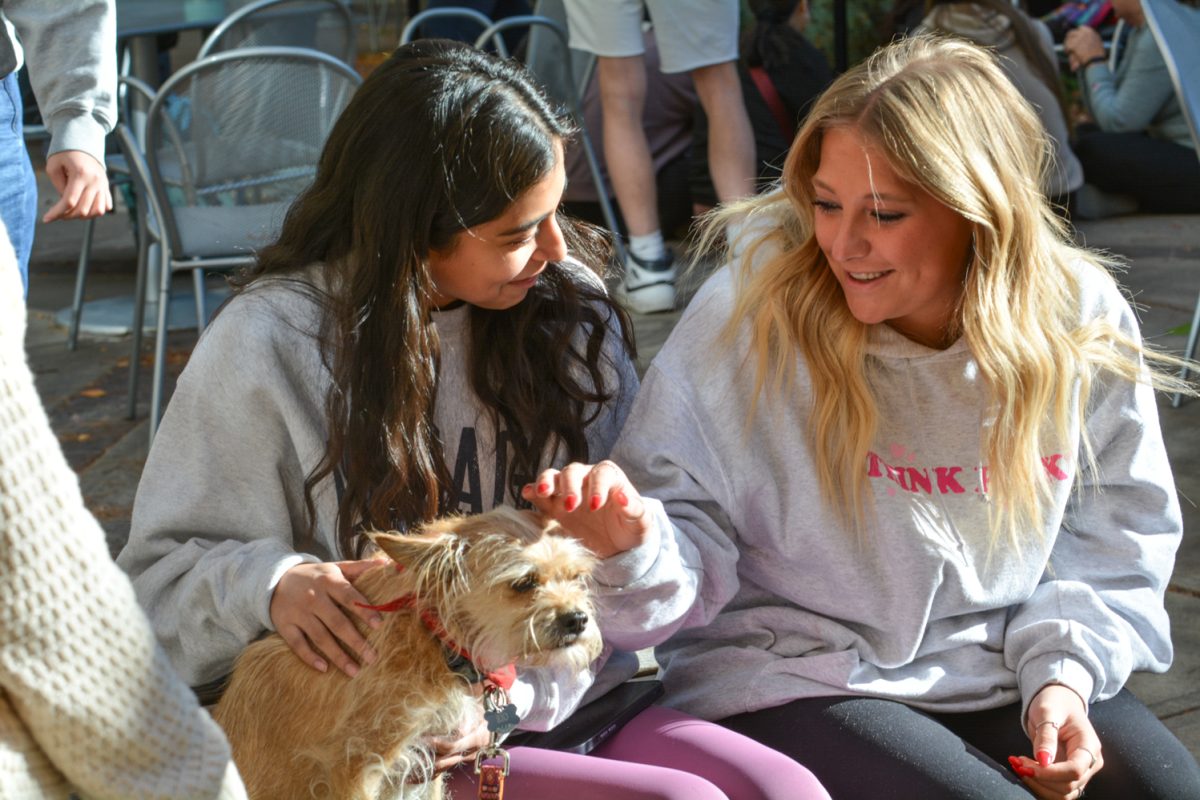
(912, 517)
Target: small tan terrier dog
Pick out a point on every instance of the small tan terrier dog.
(471, 596)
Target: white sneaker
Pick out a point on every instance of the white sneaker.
(649, 286)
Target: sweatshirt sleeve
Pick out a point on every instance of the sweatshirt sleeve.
(546, 696)
(1098, 613)
(219, 514)
(87, 698)
(686, 570)
(71, 50)
(1144, 89)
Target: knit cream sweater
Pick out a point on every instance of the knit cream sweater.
(88, 701)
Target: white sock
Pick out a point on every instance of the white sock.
(649, 247)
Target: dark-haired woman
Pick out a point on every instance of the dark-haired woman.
(416, 342)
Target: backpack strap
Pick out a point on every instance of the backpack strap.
(766, 87)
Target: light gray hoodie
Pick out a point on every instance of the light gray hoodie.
(71, 49)
(770, 598)
(219, 514)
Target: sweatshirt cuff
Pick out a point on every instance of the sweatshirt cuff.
(625, 568)
(1058, 668)
(281, 566)
(73, 131)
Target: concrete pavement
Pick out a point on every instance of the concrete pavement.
(85, 393)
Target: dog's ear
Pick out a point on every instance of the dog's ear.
(431, 558)
(411, 549)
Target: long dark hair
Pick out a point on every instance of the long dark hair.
(766, 43)
(438, 139)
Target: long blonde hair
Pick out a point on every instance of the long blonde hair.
(948, 120)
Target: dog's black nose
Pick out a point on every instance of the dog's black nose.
(573, 621)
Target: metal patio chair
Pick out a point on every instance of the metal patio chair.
(323, 25)
(221, 162)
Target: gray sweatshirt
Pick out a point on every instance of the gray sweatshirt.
(767, 596)
(71, 49)
(219, 514)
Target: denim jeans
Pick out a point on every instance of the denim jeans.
(18, 186)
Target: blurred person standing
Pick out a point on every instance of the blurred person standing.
(71, 49)
(700, 37)
(782, 73)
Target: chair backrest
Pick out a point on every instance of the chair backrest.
(546, 53)
(324, 25)
(412, 28)
(241, 131)
(1176, 28)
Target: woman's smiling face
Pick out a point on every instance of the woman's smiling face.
(495, 264)
(899, 254)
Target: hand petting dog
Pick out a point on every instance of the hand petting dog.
(595, 503)
(310, 608)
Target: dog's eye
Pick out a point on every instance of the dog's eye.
(528, 583)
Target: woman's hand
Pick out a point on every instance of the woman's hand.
(311, 608)
(1065, 746)
(1081, 45)
(594, 503)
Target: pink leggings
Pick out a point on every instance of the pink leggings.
(660, 754)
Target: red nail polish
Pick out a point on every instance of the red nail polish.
(595, 502)
(569, 502)
(543, 488)
(1025, 772)
(1043, 757)
(622, 498)
(1014, 762)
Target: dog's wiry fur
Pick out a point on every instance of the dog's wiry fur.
(505, 587)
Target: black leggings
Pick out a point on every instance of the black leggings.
(869, 748)
(1162, 175)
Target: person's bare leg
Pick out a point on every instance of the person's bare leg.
(623, 98)
(731, 142)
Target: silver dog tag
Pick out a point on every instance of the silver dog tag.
(501, 715)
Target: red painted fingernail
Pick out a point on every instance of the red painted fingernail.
(527, 490)
(543, 488)
(1015, 763)
(569, 502)
(595, 502)
(1043, 757)
(1025, 772)
(622, 498)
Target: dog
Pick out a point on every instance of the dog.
(461, 598)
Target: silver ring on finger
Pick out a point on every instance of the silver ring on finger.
(1047, 722)
(1092, 756)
